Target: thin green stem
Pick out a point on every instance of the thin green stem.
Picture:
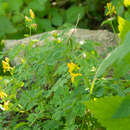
(92, 85)
(30, 33)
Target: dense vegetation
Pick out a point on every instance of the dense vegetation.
(53, 14)
(64, 84)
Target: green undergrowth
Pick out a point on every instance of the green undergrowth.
(42, 94)
(66, 85)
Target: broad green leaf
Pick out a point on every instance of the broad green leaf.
(6, 26)
(91, 5)
(44, 24)
(124, 109)
(103, 110)
(57, 19)
(127, 14)
(2, 11)
(125, 64)
(17, 18)
(117, 54)
(73, 13)
(38, 5)
(49, 124)
(15, 5)
(124, 27)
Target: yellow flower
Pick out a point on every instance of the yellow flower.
(22, 84)
(95, 99)
(58, 41)
(32, 14)
(55, 34)
(111, 9)
(2, 94)
(6, 105)
(72, 66)
(127, 3)
(74, 75)
(6, 65)
(28, 19)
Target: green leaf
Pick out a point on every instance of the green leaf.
(104, 108)
(15, 5)
(117, 54)
(32, 118)
(17, 18)
(124, 109)
(57, 19)
(20, 125)
(127, 90)
(44, 24)
(6, 26)
(2, 11)
(38, 5)
(127, 14)
(49, 124)
(73, 13)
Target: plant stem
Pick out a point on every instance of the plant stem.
(92, 85)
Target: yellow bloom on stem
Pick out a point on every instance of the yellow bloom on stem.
(73, 76)
(72, 66)
(32, 14)
(6, 105)
(111, 9)
(2, 94)
(127, 3)
(27, 19)
(6, 65)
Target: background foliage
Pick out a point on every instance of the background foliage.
(50, 14)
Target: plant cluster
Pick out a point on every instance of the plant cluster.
(66, 85)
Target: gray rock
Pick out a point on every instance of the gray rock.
(106, 38)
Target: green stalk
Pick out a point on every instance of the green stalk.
(92, 85)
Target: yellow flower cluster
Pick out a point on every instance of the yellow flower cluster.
(6, 65)
(5, 106)
(127, 3)
(6, 103)
(32, 15)
(111, 9)
(72, 67)
(27, 19)
(2, 95)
